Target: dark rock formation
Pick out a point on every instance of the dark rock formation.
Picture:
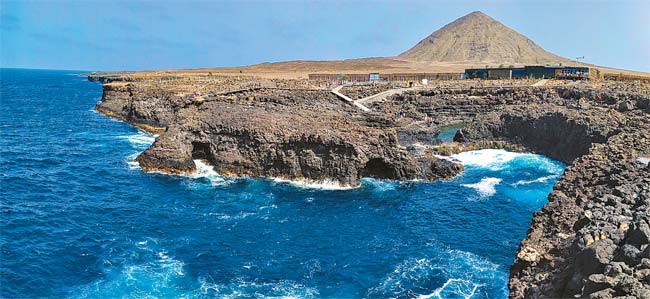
(585, 236)
(290, 134)
(591, 239)
(561, 133)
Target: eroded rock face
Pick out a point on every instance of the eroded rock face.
(292, 134)
(591, 239)
(559, 132)
(591, 234)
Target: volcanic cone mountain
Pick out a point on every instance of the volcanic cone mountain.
(477, 37)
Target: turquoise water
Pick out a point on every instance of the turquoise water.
(447, 133)
(80, 219)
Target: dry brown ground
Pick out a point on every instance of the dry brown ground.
(299, 69)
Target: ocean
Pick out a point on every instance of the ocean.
(79, 219)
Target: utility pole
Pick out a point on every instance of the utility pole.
(578, 58)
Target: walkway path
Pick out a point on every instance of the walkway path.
(348, 99)
(229, 92)
(383, 95)
(540, 82)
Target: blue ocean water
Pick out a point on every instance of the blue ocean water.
(447, 133)
(80, 220)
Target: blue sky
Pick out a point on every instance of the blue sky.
(137, 35)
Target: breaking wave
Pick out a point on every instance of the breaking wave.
(498, 159)
(133, 164)
(486, 187)
(140, 142)
(449, 273)
(206, 171)
(141, 139)
(492, 159)
(543, 179)
(321, 185)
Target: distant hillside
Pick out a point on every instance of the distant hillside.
(477, 37)
(475, 40)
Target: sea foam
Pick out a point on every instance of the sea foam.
(133, 164)
(205, 170)
(140, 142)
(543, 179)
(378, 185)
(140, 139)
(240, 288)
(463, 274)
(160, 277)
(486, 187)
(308, 184)
(456, 286)
(492, 159)
(499, 159)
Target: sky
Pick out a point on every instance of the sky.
(170, 34)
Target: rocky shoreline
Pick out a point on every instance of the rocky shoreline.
(590, 240)
(307, 135)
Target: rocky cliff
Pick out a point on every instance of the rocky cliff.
(590, 240)
(292, 134)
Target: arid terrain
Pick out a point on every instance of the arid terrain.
(478, 38)
(474, 40)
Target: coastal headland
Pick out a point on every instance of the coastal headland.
(590, 240)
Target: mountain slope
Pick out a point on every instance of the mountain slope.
(477, 37)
